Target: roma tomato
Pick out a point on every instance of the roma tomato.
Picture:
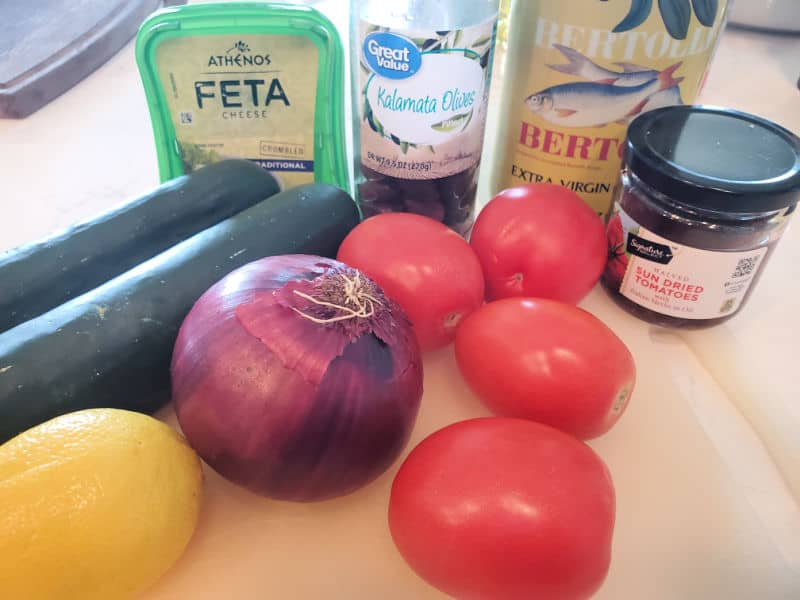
(539, 240)
(504, 509)
(546, 361)
(425, 266)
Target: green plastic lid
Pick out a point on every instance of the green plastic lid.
(253, 80)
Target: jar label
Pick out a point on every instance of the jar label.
(423, 99)
(676, 280)
(577, 73)
(249, 96)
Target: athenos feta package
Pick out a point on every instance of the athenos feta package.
(248, 80)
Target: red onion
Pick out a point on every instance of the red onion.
(296, 377)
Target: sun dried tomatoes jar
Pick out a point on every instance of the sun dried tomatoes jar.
(704, 196)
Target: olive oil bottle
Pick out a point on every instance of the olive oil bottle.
(577, 73)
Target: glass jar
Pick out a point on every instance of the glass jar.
(703, 198)
(420, 73)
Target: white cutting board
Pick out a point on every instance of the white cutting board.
(702, 512)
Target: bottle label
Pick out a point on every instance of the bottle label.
(423, 99)
(246, 96)
(578, 72)
(673, 279)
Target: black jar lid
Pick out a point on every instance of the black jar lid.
(715, 158)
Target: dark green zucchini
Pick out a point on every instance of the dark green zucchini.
(42, 275)
(111, 347)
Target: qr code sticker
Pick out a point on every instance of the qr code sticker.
(186, 117)
(745, 266)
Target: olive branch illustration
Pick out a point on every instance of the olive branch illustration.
(676, 15)
(240, 47)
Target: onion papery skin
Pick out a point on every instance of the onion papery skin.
(298, 423)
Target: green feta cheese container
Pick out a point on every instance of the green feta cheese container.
(254, 80)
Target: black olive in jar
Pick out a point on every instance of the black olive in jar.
(449, 200)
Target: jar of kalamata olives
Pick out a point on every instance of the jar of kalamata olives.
(704, 196)
(421, 74)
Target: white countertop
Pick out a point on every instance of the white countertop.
(706, 461)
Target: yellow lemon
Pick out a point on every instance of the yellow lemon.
(95, 504)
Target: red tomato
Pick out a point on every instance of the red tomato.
(429, 269)
(546, 361)
(504, 509)
(539, 240)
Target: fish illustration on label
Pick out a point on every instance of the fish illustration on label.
(577, 73)
(583, 67)
(608, 96)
